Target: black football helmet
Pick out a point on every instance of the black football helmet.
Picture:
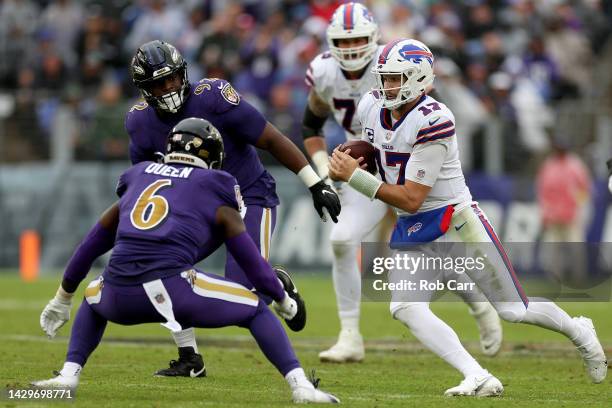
(196, 142)
(155, 61)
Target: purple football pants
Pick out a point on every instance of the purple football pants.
(198, 300)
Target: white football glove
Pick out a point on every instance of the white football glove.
(287, 308)
(610, 184)
(56, 313)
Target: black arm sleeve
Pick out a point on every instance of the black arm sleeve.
(312, 125)
(609, 163)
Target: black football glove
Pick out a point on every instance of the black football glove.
(323, 196)
(298, 321)
(609, 163)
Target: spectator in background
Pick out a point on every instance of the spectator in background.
(158, 21)
(105, 139)
(563, 190)
(18, 24)
(63, 19)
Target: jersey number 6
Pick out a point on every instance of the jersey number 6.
(150, 210)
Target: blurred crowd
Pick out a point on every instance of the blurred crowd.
(504, 66)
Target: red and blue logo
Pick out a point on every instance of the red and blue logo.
(414, 53)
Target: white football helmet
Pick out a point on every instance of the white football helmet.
(413, 61)
(352, 20)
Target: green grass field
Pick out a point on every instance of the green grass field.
(537, 368)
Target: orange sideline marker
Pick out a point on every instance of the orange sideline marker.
(29, 255)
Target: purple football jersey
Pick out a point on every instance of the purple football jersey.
(239, 123)
(167, 220)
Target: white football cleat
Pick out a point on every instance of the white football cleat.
(591, 351)
(349, 348)
(302, 395)
(489, 328)
(59, 381)
(484, 385)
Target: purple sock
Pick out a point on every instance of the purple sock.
(98, 241)
(272, 340)
(87, 331)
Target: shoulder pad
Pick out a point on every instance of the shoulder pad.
(224, 93)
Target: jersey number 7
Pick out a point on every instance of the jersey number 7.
(392, 159)
(349, 105)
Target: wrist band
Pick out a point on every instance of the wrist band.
(321, 162)
(63, 296)
(364, 182)
(309, 176)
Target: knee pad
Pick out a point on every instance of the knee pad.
(410, 307)
(342, 249)
(512, 312)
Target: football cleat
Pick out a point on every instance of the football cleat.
(484, 385)
(189, 364)
(591, 351)
(59, 381)
(302, 395)
(298, 322)
(349, 348)
(489, 328)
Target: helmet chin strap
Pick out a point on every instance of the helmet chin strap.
(183, 158)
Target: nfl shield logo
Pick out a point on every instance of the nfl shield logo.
(159, 298)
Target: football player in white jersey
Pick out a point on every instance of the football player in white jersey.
(423, 180)
(337, 80)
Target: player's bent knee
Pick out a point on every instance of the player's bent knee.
(344, 247)
(407, 309)
(513, 314)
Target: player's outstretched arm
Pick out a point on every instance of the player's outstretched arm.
(240, 244)
(315, 115)
(288, 154)
(98, 241)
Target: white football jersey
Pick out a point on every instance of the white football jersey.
(428, 122)
(341, 94)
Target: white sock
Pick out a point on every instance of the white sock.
(546, 314)
(347, 284)
(437, 336)
(296, 378)
(185, 338)
(350, 323)
(70, 369)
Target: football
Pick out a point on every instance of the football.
(360, 148)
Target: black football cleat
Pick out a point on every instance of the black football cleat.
(299, 320)
(189, 364)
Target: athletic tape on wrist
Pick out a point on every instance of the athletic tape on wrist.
(364, 182)
(321, 162)
(309, 176)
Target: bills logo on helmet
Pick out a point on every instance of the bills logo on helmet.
(413, 53)
(367, 15)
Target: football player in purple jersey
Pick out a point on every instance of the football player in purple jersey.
(171, 216)
(160, 73)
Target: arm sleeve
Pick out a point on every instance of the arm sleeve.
(97, 242)
(257, 269)
(425, 163)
